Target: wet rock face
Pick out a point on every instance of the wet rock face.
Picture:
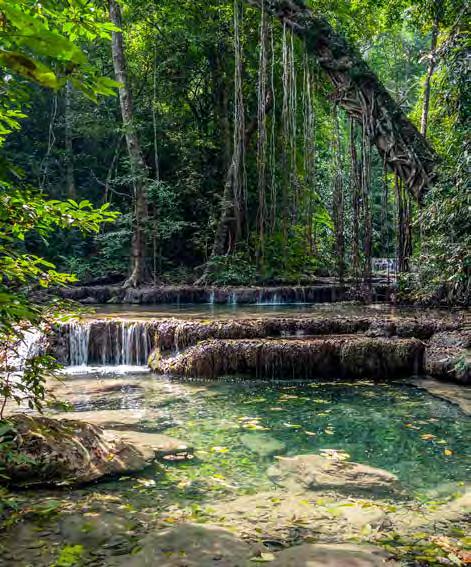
(318, 472)
(449, 356)
(329, 357)
(68, 452)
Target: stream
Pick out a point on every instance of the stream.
(238, 429)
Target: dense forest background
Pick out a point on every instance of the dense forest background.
(220, 83)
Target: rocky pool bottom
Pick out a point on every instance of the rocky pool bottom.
(270, 478)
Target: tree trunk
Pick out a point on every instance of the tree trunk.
(361, 94)
(428, 79)
(225, 235)
(404, 228)
(136, 158)
(69, 149)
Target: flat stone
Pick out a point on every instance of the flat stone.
(316, 472)
(333, 555)
(189, 545)
(161, 445)
(453, 393)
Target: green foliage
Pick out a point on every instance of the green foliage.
(70, 556)
(39, 43)
(233, 269)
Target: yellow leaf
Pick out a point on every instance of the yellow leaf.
(427, 436)
(448, 452)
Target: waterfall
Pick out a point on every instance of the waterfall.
(211, 297)
(232, 299)
(116, 343)
(79, 338)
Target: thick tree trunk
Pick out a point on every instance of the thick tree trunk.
(428, 79)
(360, 93)
(136, 158)
(69, 149)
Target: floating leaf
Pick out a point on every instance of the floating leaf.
(219, 449)
(448, 452)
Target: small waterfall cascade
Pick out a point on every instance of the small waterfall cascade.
(116, 343)
(211, 297)
(79, 338)
(232, 299)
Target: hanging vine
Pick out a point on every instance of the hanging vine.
(309, 151)
(239, 171)
(262, 133)
(338, 199)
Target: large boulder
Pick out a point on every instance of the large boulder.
(319, 472)
(50, 451)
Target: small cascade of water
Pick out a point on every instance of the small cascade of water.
(211, 297)
(135, 344)
(270, 300)
(232, 299)
(117, 343)
(79, 338)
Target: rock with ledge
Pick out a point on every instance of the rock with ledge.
(319, 472)
(63, 452)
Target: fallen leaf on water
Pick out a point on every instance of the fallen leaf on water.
(427, 436)
(311, 433)
(219, 449)
(448, 452)
(292, 425)
(411, 426)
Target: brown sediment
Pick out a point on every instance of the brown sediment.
(324, 357)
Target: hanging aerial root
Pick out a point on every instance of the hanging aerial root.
(361, 94)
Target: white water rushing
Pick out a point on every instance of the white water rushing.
(124, 343)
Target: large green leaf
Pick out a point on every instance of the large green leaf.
(25, 66)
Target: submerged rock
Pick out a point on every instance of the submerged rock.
(453, 393)
(327, 357)
(262, 443)
(189, 545)
(333, 555)
(51, 451)
(316, 472)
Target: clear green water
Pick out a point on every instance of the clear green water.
(238, 428)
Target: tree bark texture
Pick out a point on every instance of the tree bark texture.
(136, 158)
(361, 94)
